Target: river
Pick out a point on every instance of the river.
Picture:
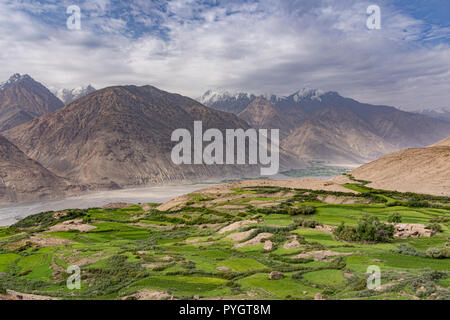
(10, 214)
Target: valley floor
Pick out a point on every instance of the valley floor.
(241, 241)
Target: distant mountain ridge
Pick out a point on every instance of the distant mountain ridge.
(439, 113)
(320, 125)
(23, 99)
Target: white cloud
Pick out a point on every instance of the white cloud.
(271, 46)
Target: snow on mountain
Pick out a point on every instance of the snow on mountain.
(69, 95)
(236, 102)
(441, 113)
(212, 96)
(308, 93)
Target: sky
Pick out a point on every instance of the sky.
(258, 46)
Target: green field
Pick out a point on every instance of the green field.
(182, 253)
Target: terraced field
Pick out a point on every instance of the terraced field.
(232, 243)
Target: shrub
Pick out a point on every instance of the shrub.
(434, 253)
(435, 227)
(395, 218)
(440, 219)
(346, 233)
(437, 253)
(369, 229)
(406, 249)
(415, 203)
(305, 210)
(305, 223)
(395, 203)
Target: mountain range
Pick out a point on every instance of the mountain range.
(319, 125)
(119, 136)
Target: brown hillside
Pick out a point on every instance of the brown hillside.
(23, 179)
(423, 170)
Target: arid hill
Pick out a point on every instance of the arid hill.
(442, 143)
(421, 170)
(23, 99)
(23, 179)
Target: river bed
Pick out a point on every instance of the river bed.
(10, 214)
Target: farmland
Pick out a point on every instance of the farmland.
(228, 244)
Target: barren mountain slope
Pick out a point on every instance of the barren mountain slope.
(422, 170)
(337, 136)
(121, 136)
(261, 113)
(23, 99)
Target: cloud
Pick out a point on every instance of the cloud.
(189, 46)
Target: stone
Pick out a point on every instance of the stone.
(223, 269)
(268, 245)
(318, 296)
(319, 257)
(276, 275)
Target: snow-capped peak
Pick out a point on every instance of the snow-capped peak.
(308, 93)
(69, 95)
(220, 94)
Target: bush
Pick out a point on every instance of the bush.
(305, 210)
(395, 203)
(440, 219)
(435, 227)
(415, 203)
(369, 229)
(305, 223)
(395, 218)
(346, 233)
(437, 253)
(406, 249)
